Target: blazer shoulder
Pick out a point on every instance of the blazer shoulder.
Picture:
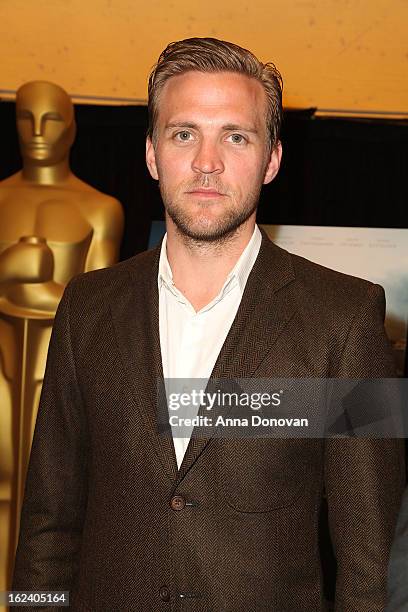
(136, 269)
(328, 282)
(336, 298)
(344, 315)
(323, 293)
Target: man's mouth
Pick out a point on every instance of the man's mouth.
(205, 193)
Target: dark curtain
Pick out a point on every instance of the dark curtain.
(334, 171)
(344, 172)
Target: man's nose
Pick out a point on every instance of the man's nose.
(207, 159)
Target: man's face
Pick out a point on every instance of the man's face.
(211, 153)
(45, 123)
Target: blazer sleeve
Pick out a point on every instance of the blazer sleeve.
(364, 477)
(398, 568)
(56, 485)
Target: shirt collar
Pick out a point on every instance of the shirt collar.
(240, 271)
(245, 263)
(165, 274)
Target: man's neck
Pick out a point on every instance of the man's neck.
(200, 268)
(47, 175)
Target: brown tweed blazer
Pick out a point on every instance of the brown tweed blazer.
(97, 519)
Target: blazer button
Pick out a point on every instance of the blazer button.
(164, 593)
(177, 502)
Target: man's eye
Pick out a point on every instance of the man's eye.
(184, 136)
(237, 138)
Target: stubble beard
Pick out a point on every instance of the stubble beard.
(197, 227)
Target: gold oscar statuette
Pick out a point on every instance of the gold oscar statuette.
(53, 226)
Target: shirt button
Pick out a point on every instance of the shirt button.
(164, 593)
(177, 502)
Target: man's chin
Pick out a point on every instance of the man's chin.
(209, 225)
(209, 233)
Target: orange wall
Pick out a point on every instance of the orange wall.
(350, 54)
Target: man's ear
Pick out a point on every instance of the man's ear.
(151, 159)
(273, 163)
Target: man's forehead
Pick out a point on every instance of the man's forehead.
(212, 93)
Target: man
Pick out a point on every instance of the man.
(128, 519)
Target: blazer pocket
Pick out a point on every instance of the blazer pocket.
(260, 475)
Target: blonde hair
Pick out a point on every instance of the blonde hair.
(213, 55)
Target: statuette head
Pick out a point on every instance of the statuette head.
(45, 123)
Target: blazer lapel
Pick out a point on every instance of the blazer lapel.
(265, 310)
(136, 321)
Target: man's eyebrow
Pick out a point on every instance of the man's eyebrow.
(229, 127)
(182, 124)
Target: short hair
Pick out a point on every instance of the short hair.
(213, 55)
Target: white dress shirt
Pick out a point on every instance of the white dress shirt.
(190, 341)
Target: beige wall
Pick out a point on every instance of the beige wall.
(350, 54)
